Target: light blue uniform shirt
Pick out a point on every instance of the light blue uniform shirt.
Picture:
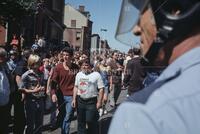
(171, 105)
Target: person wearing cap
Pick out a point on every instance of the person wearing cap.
(170, 37)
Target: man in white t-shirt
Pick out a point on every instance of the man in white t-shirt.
(88, 94)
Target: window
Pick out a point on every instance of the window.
(73, 23)
(78, 35)
(77, 48)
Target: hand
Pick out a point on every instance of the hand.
(110, 88)
(54, 98)
(42, 88)
(98, 105)
(119, 69)
(37, 88)
(48, 92)
(105, 99)
(74, 103)
(123, 87)
(23, 97)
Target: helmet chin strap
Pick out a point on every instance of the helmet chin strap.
(149, 58)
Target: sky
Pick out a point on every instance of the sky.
(104, 14)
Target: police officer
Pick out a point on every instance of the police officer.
(170, 36)
(6, 88)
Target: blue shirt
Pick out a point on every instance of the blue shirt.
(29, 81)
(171, 105)
(4, 87)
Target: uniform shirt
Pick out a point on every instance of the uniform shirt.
(170, 105)
(88, 84)
(11, 65)
(4, 87)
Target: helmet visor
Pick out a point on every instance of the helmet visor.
(129, 16)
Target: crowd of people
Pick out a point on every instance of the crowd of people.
(161, 77)
(36, 82)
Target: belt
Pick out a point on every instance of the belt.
(87, 99)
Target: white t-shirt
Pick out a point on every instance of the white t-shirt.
(88, 84)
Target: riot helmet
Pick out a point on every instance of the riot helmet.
(174, 19)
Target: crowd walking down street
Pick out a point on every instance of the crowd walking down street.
(54, 92)
(66, 89)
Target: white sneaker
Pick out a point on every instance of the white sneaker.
(100, 112)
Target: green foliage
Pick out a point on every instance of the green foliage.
(15, 10)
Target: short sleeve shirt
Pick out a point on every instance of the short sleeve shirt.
(88, 84)
(29, 81)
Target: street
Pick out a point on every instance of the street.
(104, 121)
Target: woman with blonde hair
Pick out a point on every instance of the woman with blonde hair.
(32, 86)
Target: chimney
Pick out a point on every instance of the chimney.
(82, 8)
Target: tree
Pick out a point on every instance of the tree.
(15, 10)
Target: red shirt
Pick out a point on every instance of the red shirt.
(65, 78)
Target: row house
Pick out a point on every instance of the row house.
(78, 28)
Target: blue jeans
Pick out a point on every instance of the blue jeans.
(87, 113)
(69, 114)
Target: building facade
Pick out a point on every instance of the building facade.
(3, 36)
(49, 19)
(47, 22)
(95, 41)
(78, 28)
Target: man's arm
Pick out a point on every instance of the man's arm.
(49, 82)
(100, 98)
(74, 96)
(53, 91)
(53, 84)
(34, 90)
(101, 91)
(18, 80)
